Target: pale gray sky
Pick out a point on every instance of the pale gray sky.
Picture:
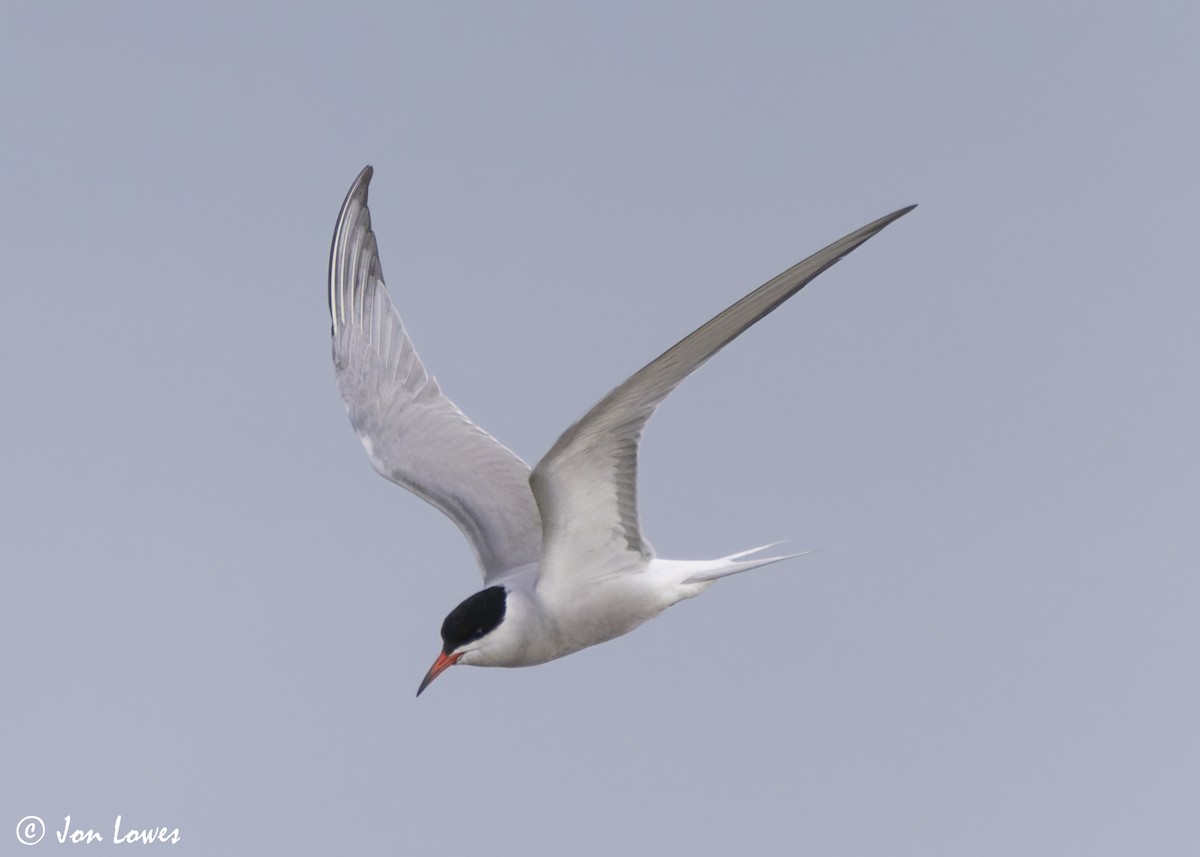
(215, 615)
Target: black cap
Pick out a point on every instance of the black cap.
(476, 617)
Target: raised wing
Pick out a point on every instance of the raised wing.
(586, 485)
(413, 434)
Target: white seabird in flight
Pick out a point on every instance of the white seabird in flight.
(565, 564)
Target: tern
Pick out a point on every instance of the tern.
(565, 564)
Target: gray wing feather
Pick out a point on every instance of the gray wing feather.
(586, 485)
(412, 433)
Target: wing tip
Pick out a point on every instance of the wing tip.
(356, 194)
(358, 190)
(364, 178)
(861, 236)
(895, 215)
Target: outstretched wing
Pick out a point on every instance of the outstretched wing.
(586, 485)
(413, 434)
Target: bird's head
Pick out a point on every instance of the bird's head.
(466, 630)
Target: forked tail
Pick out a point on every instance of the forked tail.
(708, 571)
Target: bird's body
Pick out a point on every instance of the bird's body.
(564, 561)
(539, 629)
(548, 626)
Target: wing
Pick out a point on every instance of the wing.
(413, 434)
(586, 485)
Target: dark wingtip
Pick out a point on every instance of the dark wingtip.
(358, 191)
(895, 215)
(359, 188)
(874, 227)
